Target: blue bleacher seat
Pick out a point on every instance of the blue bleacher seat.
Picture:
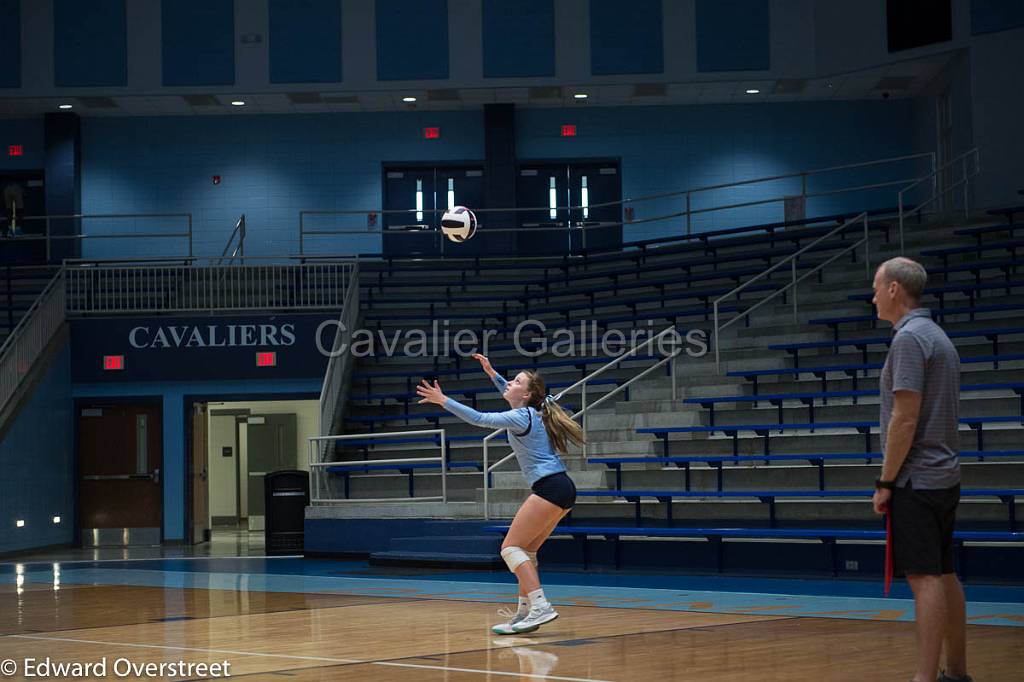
(764, 430)
(816, 458)
(828, 536)
(1007, 496)
(853, 370)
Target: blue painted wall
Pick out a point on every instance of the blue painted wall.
(172, 395)
(90, 43)
(733, 35)
(274, 166)
(664, 149)
(305, 41)
(625, 38)
(198, 42)
(412, 39)
(988, 16)
(10, 43)
(271, 167)
(37, 460)
(519, 38)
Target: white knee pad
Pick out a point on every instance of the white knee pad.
(514, 557)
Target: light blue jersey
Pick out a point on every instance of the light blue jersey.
(526, 434)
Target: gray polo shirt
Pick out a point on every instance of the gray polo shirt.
(923, 359)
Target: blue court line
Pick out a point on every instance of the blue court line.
(857, 608)
(553, 575)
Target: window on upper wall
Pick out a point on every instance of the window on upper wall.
(584, 197)
(553, 198)
(419, 201)
(916, 23)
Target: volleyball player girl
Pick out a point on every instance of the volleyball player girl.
(538, 430)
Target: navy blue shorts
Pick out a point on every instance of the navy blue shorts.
(558, 489)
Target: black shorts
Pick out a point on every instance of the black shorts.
(922, 530)
(558, 489)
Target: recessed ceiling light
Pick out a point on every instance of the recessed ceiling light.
(753, 91)
(56, 519)
(237, 103)
(580, 95)
(408, 99)
(64, 106)
(20, 523)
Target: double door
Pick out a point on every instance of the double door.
(574, 207)
(415, 197)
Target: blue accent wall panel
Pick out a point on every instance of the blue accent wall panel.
(90, 43)
(412, 39)
(305, 41)
(733, 35)
(10, 43)
(37, 460)
(519, 38)
(626, 37)
(272, 167)
(989, 16)
(275, 166)
(198, 42)
(668, 149)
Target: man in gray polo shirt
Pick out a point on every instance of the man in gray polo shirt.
(920, 480)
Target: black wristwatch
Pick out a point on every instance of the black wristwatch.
(884, 485)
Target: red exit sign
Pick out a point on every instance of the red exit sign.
(568, 131)
(113, 362)
(16, 150)
(431, 133)
(266, 359)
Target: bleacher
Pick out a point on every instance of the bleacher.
(783, 443)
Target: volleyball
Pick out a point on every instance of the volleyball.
(458, 224)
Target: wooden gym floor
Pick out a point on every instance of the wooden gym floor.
(317, 620)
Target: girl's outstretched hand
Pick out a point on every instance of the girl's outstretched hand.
(484, 363)
(430, 393)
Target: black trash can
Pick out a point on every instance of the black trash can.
(287, 496)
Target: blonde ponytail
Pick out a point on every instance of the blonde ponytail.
(562, 429)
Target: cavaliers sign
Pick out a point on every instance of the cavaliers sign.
(213, 336)
(204, 348)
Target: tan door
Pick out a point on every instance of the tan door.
(120, 455)
(200, 476)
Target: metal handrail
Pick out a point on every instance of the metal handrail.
(584, 407)
(49, 238)
(933, 176)
(334, 392)
(161, 288)
(792, 260)
(239, 250)
(688, 210)
(29, 338)
(315, 464)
